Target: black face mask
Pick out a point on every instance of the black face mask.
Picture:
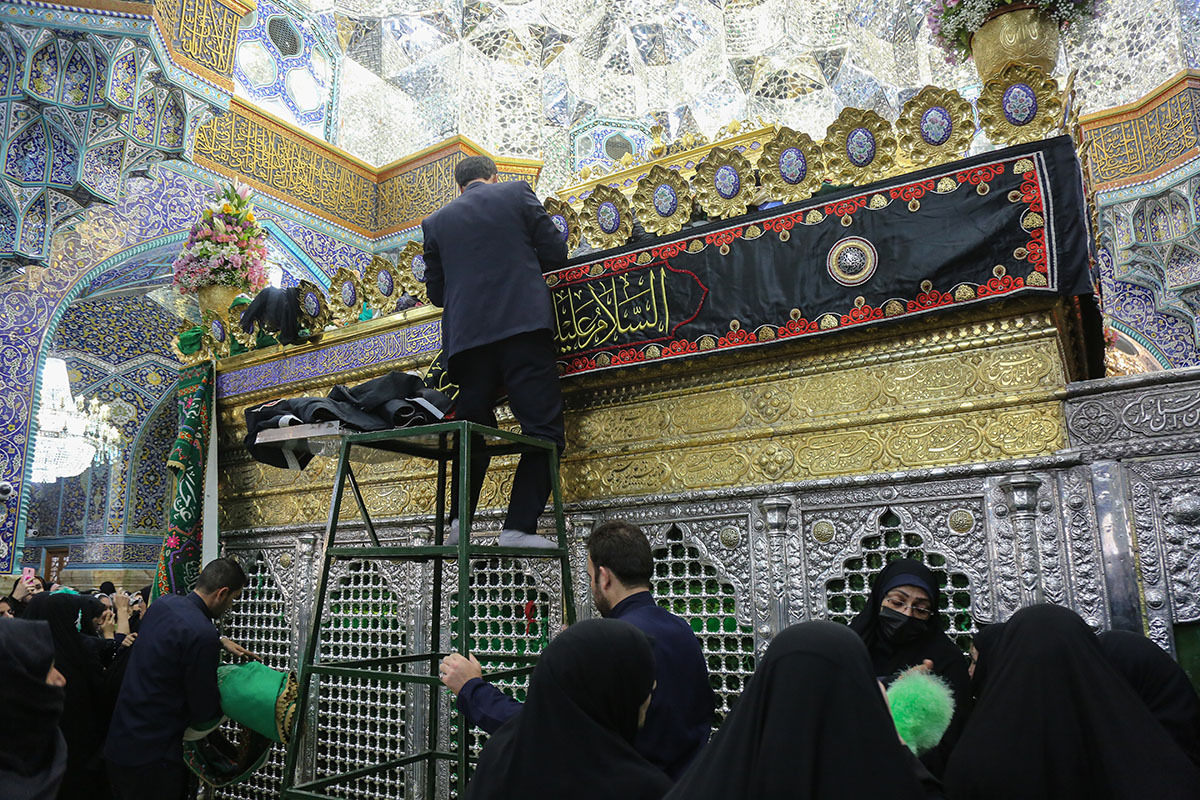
(898, 629)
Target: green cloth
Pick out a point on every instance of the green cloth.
(249, 693)
(922, 706)
(179, 559)
(189, 340)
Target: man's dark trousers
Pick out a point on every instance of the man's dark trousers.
(524, 367)
(165, 780)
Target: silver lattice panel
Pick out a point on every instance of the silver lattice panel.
(689, 587)
(848, 594)
(360, 722)
(260, 622)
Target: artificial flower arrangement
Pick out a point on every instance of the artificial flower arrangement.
(953, 22)
(226, 246)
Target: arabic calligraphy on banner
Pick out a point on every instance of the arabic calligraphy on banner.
(268, 154)
(627, 307)
(202, 31)
(1139, 146)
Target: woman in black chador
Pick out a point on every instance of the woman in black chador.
(34, 756)
(902, 628)
(573, 738)
(811, 724)
(1056, 721)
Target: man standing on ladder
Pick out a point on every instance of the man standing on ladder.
(485, 253)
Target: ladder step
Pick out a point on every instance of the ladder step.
(428, 551)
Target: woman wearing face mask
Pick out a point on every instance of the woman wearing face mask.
(902, 629)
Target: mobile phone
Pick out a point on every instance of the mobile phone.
(27, 574)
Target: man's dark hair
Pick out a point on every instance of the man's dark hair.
(473, 168)
(624, 550)
(220, 573)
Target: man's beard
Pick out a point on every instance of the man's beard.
(602, 604)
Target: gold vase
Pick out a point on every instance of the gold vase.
(1018, 34)
(216, 298)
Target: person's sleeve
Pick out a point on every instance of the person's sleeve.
(485, 706)
(435, 278)
(547, 240)
(200, 682)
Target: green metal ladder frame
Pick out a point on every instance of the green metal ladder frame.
(452, 438)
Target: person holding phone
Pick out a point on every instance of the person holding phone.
(24, 589)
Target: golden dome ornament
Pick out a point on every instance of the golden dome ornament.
(791, 166)
(1020, 105)
(663, 200)
(607, 220)
(860, 147)
(935, 126)
(724, 183)
(566, 220)
(381, 285)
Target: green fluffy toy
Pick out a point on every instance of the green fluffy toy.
(922, 705)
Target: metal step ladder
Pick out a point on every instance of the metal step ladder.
(443, 443)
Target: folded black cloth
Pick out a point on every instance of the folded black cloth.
(394, 400)
(275, 310)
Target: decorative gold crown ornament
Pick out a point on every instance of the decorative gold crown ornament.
(607, 219)
(566, 220)
(381, 285)
(410, 272)
(791, 166)
(935, 126)
(216, 333)
(1020, 105)
(860, 147)
(314, 307)
(345, 296)
(663, 200)
(724, 183)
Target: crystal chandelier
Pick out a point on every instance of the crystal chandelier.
(71, 434)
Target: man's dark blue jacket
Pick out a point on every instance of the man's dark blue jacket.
(170, 683)
(680, 717)
(485, 253)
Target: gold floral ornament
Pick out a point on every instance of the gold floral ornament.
(663, 200)
(724, 183)
(566, 220)
(607, 219)
(246, 340)
(791, 166)
(860, 147)
(936, 126)
(346, 296)
(381, 285)
(410, 271)
(314, 308)
(216, 333)
(1020, 105)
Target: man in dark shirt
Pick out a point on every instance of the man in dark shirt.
(485, 253)
(171, 685)
(680, 716)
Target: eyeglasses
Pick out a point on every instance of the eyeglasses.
(902, 604)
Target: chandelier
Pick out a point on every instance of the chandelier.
(71, 434)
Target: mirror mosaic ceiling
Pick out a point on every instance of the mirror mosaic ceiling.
(523, 78)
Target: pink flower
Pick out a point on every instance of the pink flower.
(243, 191)
(172, 542)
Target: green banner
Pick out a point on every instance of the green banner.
(179, 562)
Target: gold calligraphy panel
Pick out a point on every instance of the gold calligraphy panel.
(1147, 142)
(599, 312)
(202, 34)
(273, 157)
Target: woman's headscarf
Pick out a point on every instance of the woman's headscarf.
(1057, 721)
(811, 724)
(33, 758)
(1160, 682)
(889, 658)
(85, 715)
(984, 642)
(574, 735)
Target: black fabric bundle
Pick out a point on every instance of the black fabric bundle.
(395, 400)
(890, 659)
(574, 736)
(811, 725)
(34, 755)
(275, 310)
(1056, 721)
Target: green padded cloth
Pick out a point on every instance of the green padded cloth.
(257, 696)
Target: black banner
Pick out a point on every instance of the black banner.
(1007, 222)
